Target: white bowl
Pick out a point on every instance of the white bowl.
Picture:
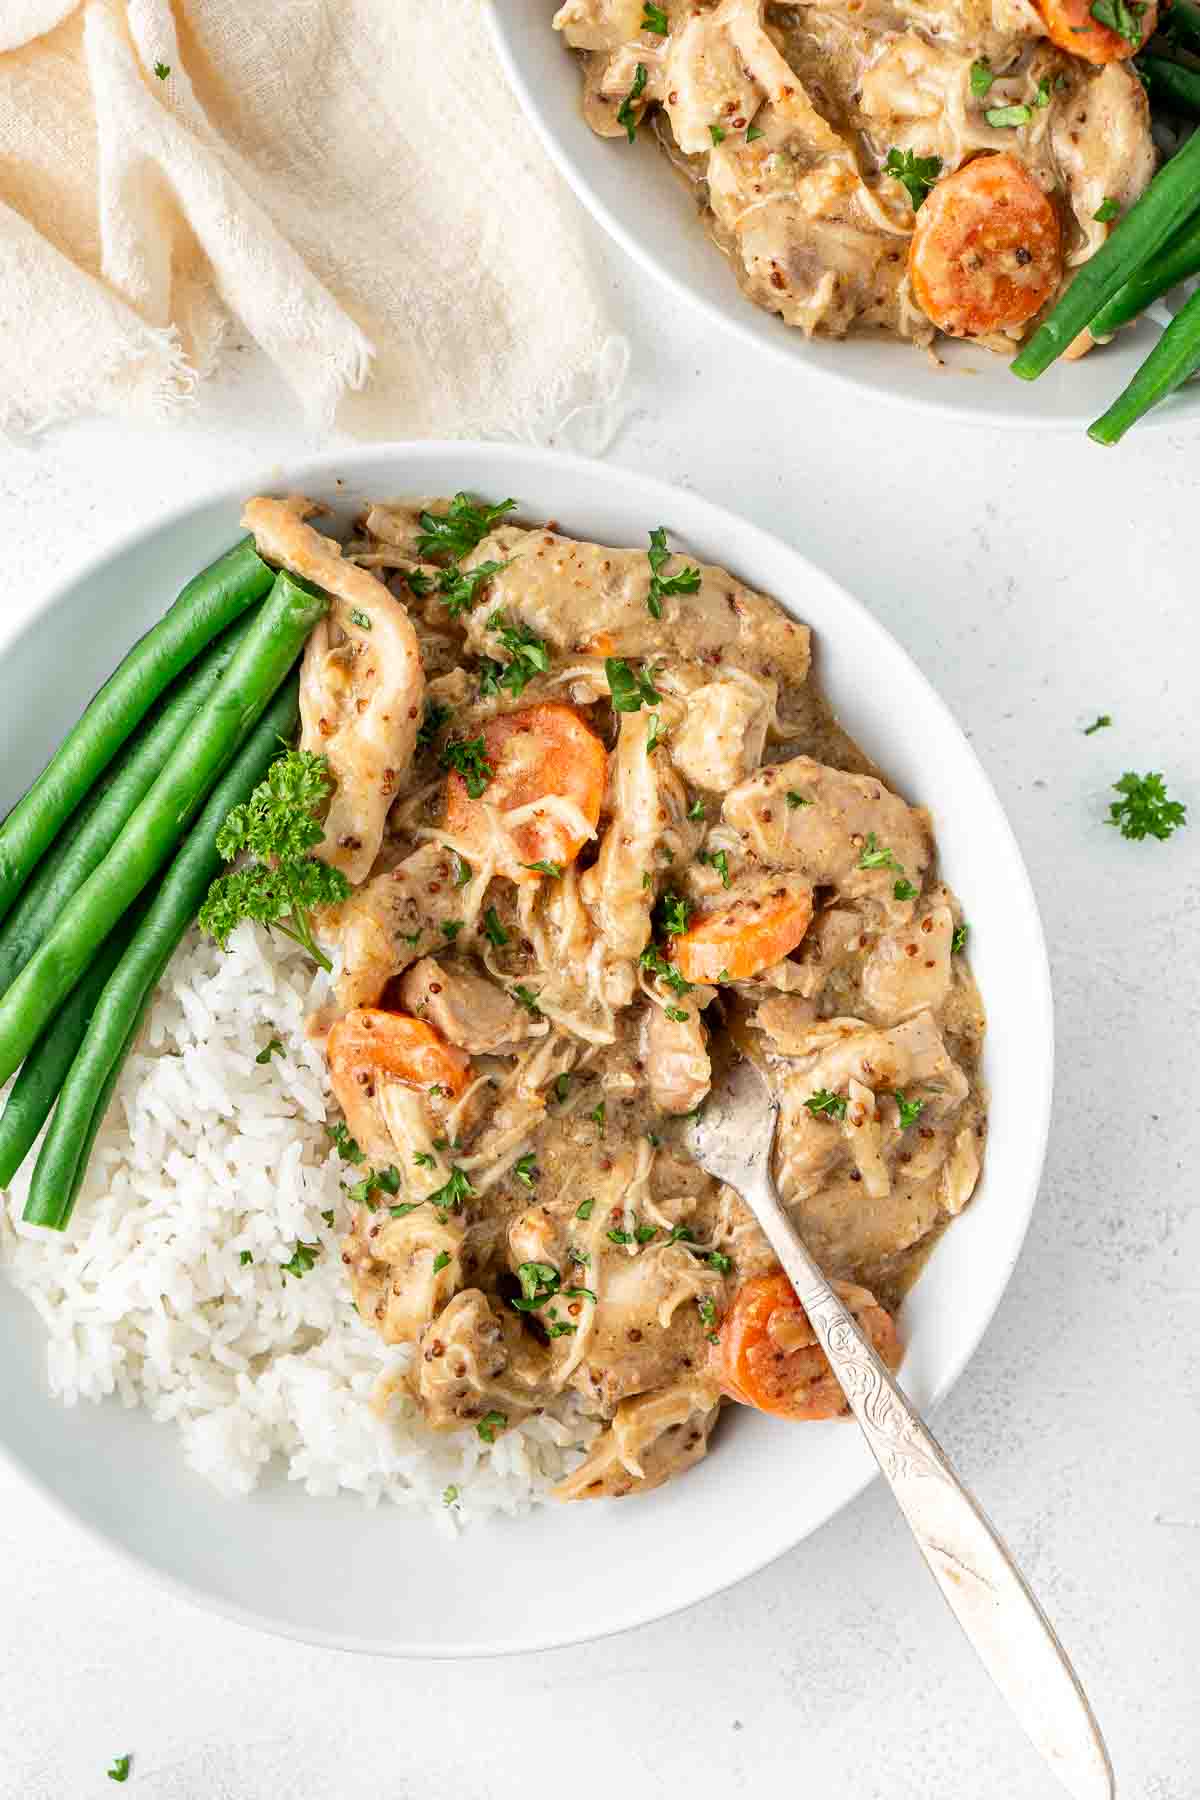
(311, 1568)
(634, 193)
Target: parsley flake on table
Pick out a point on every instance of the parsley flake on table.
(630, 690)
(1098, 724)
(1144, 810)
(468, 758)
(684, 581)
(915, 173)
(823, 1104)
(276, 829)
(245, 1257)
(458, 531)
(122, 1764)
(626, 115)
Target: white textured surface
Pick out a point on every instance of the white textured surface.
(1038, 581)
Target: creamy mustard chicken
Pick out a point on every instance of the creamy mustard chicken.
(905, 166)
(602, 830)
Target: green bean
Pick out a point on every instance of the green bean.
(117, 1016)
(209, 602)
(93, 829)
(1178, 259)
(1172, 197)
(1176, 86)
(1175, 356)
(44, 1070)
(1182, 25)
(151, 833)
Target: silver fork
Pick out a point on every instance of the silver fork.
(988, 1595)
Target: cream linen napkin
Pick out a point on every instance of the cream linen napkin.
(349, 179)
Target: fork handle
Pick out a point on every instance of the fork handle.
(979, 1580)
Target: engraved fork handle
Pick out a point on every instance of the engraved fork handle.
(985, 1590)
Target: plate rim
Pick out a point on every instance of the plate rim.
(663, 495)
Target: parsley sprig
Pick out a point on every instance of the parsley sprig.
(468, 757)
(916, 173)
(684, 581)
(460, 529)
(528, 652)
(1143, 809)
(276, 828)
(631, 689)
(626, 115)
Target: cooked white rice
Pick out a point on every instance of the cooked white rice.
(209, 1159)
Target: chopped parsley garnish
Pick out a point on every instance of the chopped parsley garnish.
(678, 1015)
(687, 581)
(539, 1282)
(435, 717)
(718, 860)
(555, 1327)
(327, 1215)
(417, 581)
(274, 1048)
(162, 70)
(361, 619)
(910, 1110)
(424, 1160)
(579, 1293)
(716, 1259)
(1143, 809)
(903, 889)
(671, 915)
(718, 137)
(1042, 97)
(460, 529)
(493, 930)
(411, 937)
(441, 1261)
(459, 588)
(625, 113)
(468, 756)
(655, 963)
(489, 678)
(1097, 724)
(616, 1236)
(528, 999)
(1122, 16)
(406, 1206)
(490, 1423)
(823, 1104)
(450, 1196)
(680, 1234)
(553, 869)
(359, 1193)
(599, 1116)
(656, 734)
(796, 801)
(300, 1261)
(981, 79)
(1107, 209)
(525, 1168)
(344, 1144)
(696, 810)
(1000, 117)
(916, 173)
(276, 828)
(451, 928)
(958, 942)
(654, 18)
(562, 1085)
(246, 1257)
(644, 1233)
(529, 654)
(584, 1209)
(122, 1764)
(753, 132)
(462, 869)
(630, 691)
(706, 1306)
(876, 855)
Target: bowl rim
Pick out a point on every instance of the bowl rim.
(783, 346)
(664, 498)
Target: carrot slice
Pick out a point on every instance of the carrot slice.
(394, 1044)
(768, 1356)
(537, 752)
(748, 936)
(1072, 26)
(986, 251)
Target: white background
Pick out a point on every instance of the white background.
(1038, 581)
